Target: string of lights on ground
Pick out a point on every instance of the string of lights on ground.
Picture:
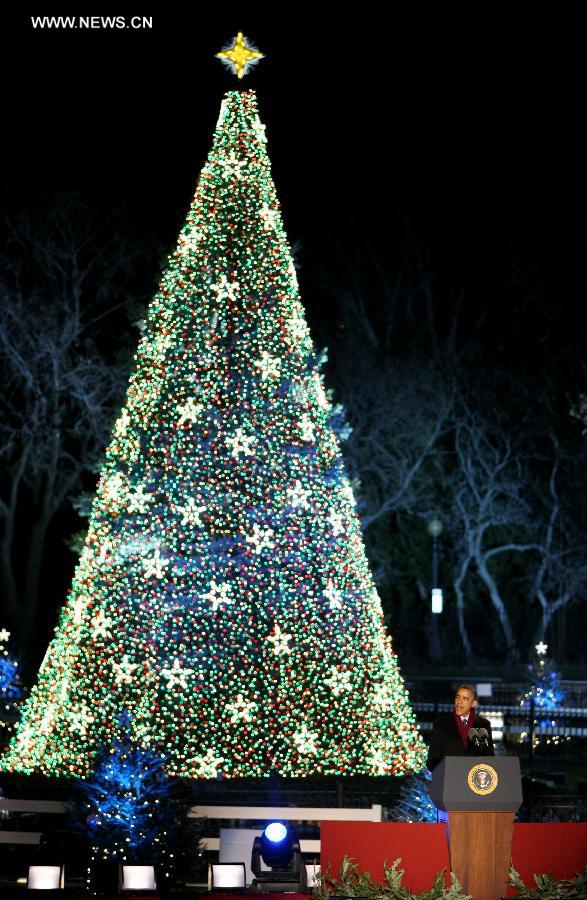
(223, 601)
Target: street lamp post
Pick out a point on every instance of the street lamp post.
(434, 530)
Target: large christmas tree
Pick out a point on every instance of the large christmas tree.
(223, 600)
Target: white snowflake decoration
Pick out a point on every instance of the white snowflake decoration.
(154, 566)
(189, 412)
(232, 166)
(101, 625)
(80, 720)
(348, 491)
(280, 641)
(225, 289)
(268, 365)
(123, 671)
(307, 428)
(379, 762)
(338, 682)
(241, 710)
(297, 330)
(176, 675)
(104, 551)
(207, 765)
(114, 488)
(241, 443)
(261, 538)
(305, 740)
(191, 512)
(139, 500)
(122, 424)
(335, 519)
(333, 595)
(259, 130)
(218, 595)
(382, 697)
(188, 243)
(298, 496)
(269, 217)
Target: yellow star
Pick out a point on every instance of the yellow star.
(241, 56)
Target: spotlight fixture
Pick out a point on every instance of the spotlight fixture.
(137, 878)
(279, 848)
(227, 876)
(45, 878)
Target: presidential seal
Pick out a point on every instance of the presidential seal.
(482, 779)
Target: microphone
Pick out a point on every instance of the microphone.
(483, 736)
(474, 737)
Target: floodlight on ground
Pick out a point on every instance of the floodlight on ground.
(279, 848)
(138, 878)
(45, 878)
(227, 876)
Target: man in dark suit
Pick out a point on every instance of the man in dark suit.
(450, 733)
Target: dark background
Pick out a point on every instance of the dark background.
(463, 132)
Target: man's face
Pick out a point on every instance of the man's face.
(464, 701)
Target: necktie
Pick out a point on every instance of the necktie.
(465, 719)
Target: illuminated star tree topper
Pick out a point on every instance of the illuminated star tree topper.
(240, 56)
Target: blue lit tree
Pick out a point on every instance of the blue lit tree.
(544, 694)
(11, 690)
(131, 810)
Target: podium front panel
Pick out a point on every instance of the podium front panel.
(477, 783)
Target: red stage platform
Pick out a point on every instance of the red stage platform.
(537, 848)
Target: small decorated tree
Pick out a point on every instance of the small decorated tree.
(11, 689)
(542, 697)
(132, 812)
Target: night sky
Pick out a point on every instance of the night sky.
(465, 135)
(462, 132)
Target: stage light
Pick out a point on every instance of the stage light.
(279, 848)
(276, 832)
(227, 876)
(45, 878)
(138, 878)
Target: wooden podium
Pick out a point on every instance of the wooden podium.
(481, 795)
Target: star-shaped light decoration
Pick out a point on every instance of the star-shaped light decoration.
(139, 500)
(154, 566)
(123, 671)
(338, 681)
(233, 167)
(176, 674)
(4, 635)
(241, 56)
(280, 641)
(101, 625)
(333, 595)
(207, 765)
(269, 217)
(298, 496)
(268, 365)
(541, 648)
(189, 241)
(80, 720)
(218, 595)
(225, 289)
(335, 520)
(191, 512)
(240, 443)
(379, 761)
(189, 411)
(261, 538)
(382, 696)
(241, 710)
(307, 428)
(305, 740)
